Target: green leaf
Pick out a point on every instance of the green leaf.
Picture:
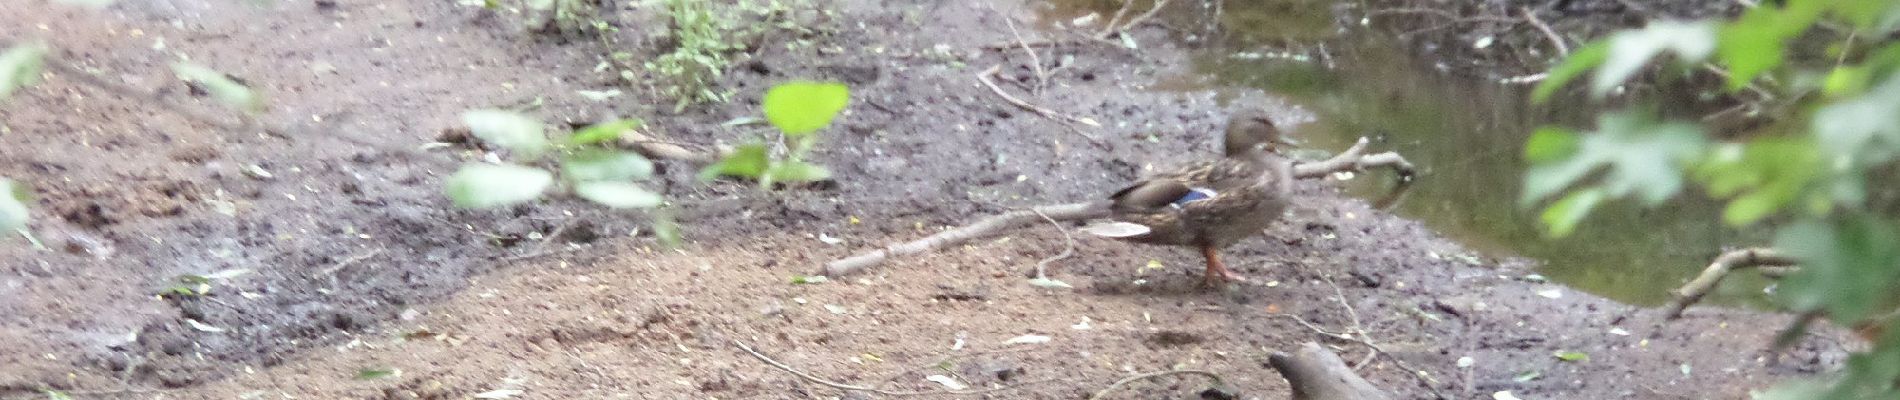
(55, 394)
(487, 185)
(20, 67)
(800, 108)
(1550, 143)
(222, 87)
(1561, 218)
(1644, 158)
(1862, 130)
(1580, 61)
(617, 194)
(375, 373)
(1630, 50)
(606, 165)
(603, 132)
(1795, 390)
(1847, 264)
(1763, 176)
(512, 131)
(13, 212)
(748, 161)
(796, 171)
(1572, 356)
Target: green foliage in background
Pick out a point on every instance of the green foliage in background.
(1844, 116)
(20, 67)
(13, 199)
(587, 165)
(799, 110)
(707, 36)
(703, 44)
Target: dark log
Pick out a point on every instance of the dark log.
(1319, 374)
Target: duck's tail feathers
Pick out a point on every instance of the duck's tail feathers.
(1117, 229)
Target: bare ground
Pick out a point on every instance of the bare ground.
(358, 263)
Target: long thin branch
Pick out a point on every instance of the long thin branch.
(1118, 384)
(1353, 159)
(1555, 40)
(981, 229)
(1711, 276)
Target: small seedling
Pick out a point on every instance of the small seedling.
(20, 67)
(226, 90)
(588, 167)
(799, 110)
(13, 199)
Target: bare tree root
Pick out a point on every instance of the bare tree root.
(1318, 374)
(1354, 159)
(860, 388)
(1693, 291)
(1099, 394)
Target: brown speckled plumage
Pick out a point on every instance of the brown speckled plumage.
(1251, 184)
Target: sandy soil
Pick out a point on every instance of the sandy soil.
(357, 263)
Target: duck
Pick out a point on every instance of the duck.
(1209, 204)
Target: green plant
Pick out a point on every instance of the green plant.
(799, 110)
(13, 199)
(689, 73)
(20, 67)
(1842, 123)
(589, 168)
(705, 40)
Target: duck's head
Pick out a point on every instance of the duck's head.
(1252, 132)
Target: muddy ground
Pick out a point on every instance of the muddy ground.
(356, 263)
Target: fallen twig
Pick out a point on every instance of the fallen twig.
(858, 388)
(1114, 27)
(1555, 40)
(1693, 291)
(980, 229)
(1035, 61)
(1042, 267)
(1104, 392)
(984, 77)
(1353, 159)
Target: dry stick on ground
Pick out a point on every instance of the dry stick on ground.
(1352, 160)
(1693, 291)
(859, 388)
(1109, 30)
(1042, 267)
(1555, 40)
(1065, 119)
(1104, 392)
(1035, 61)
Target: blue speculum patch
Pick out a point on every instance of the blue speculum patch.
(1193, 195)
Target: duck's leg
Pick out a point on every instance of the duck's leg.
(1217, 272)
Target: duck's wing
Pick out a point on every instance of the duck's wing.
(1151, 194)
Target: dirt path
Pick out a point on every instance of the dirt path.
(355, 262)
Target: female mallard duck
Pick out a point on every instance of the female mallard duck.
(1210, 204)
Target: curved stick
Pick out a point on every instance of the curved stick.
(1693, 291)
(1354, 159)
